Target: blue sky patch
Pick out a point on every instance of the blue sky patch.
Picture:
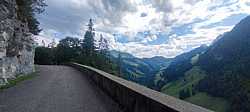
(229, 21)
(161, 39)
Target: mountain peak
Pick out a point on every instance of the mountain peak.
(243, 26)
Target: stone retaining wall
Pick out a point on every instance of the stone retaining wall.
(136, 98)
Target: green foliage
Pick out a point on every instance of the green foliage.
(99, 61)
(27, 10)
(185, 93)
(44, 56)
(88, 43)
(189, 81)
(182, 64)
(67, 50)
(214, 103)
(227, 63)
(103, 45)
(140, 70)
(13, 82)
(76, 50)
(185, 88)
(158, 62)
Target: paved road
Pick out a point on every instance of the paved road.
(56, 89)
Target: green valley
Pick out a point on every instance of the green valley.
(189, 82)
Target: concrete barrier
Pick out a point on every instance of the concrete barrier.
(136, 98)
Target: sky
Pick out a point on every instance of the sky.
(144, 28)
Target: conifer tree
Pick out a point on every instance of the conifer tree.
(88, 43)
(103, 45)
(27, 10)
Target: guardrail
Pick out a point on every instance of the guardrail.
(133, 97)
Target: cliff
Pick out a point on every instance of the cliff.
(16, 43)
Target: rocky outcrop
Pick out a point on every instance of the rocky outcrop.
(16, 43)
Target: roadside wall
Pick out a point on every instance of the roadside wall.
(136, 98)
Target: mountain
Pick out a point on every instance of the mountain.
(227, 63)
(140, 70)
(232, 48)
(115, 54)
(217, 76)
(158, 62)
(182, 63)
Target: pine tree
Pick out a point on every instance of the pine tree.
(120, 64)
(27, 9)
(103, 45)
(88, 44)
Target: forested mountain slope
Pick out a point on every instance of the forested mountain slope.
(221, 70)
(140, 70)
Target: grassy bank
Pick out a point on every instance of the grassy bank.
(20, 78)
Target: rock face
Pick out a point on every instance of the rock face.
(16, 43)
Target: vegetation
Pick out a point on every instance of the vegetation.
(70, 49)
(216, 77)
(20, 78)
(44, 56)
(142, 71)
(187, 83)
(184, 93)
(181, 64)
(226, 67)
(185, 88)
(76, 50)
(26, 13)
(214, 103)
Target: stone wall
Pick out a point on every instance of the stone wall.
(16, 43)
(133, 97)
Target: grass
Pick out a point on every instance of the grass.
(158, 77)
(213, 103)
(20, 78)
(191, 78)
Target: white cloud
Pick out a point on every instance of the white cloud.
(69, 18)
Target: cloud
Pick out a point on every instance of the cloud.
(145, 28)
(144, 14)
(162, 5)
(71, 16)
(191, 2)
(112, 10)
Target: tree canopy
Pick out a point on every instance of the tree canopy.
(83, 51)
(27, 9)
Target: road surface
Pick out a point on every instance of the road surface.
(56, 89)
